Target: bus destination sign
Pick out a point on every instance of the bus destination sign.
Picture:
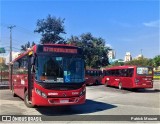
(59, 50)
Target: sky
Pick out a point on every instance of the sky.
(126, 25)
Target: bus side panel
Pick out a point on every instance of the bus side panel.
(24, 81)
(16, 81)
(90, 80)
(115, 81)
(19, 84)
(103, 80)
(127, 82)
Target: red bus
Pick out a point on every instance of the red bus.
(49, 75)
(132, 77)
(93, 76)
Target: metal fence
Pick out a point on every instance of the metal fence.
(4, 76)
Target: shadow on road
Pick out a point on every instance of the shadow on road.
(141, 90)
(146, 91)
(89, 107)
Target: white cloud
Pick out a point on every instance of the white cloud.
(108, 45)
(154, 24)
(14, 55)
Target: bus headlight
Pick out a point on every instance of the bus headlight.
(82, 92)
(44, 95)
(40, 93)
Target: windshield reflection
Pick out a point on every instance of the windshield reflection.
(52, 69)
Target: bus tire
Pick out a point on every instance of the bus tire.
(120, 86)
(96, 82)
(106, 83)
(27, 103)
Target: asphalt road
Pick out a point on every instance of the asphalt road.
(101, 100)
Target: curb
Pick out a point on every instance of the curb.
(4, 87)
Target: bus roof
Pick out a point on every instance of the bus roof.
(124, 67)
(92, 69)
(120, 67)
(34, 48)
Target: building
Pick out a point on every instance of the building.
(128, 57)
(2, 60)
(111, 56)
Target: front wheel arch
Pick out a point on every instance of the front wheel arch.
(27, 103)
(106, 83)
(120, 85)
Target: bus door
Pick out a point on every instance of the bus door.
(16, 77)
(113, 79)
(127, 77)
(116, 78)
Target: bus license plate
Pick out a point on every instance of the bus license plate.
(144, 84)
(64, 101)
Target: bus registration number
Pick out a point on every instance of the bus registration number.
(64, 101)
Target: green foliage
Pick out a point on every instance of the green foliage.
(3, 67)
(26, 46)
(51, 29)
(95, 52)
(156, 61)
(140, 62)
(117, 63)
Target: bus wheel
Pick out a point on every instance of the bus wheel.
(120, 85)
(27, 103)
(96, 82)
(106, 84)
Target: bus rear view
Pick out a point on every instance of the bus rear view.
(131, 77)
(143, 77)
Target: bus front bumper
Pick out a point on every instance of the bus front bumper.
(40, 101)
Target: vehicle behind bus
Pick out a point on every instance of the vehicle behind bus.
(93, 76)
(49, 75)
(131, 77)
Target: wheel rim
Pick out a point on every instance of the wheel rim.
(120, 86)
(106, 83)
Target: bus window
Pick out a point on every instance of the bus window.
(130, 72)
(144, 71)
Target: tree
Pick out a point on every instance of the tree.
(117, 63)
(26, 46)
(95, 52)
(3, 66)
(156, 61)
(51, 30)
(140, 62)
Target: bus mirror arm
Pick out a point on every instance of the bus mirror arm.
(32, 60)
(33, 69)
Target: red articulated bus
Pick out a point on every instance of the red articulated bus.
(93, 76)
(49, 75)
(132, 77)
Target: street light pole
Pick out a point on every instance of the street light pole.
(11, 27)
(10, 58)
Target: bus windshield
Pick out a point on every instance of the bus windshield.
(51, 69)
(144, 71)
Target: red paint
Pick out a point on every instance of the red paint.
(93, 76)
(64, 97)
(113, 78)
